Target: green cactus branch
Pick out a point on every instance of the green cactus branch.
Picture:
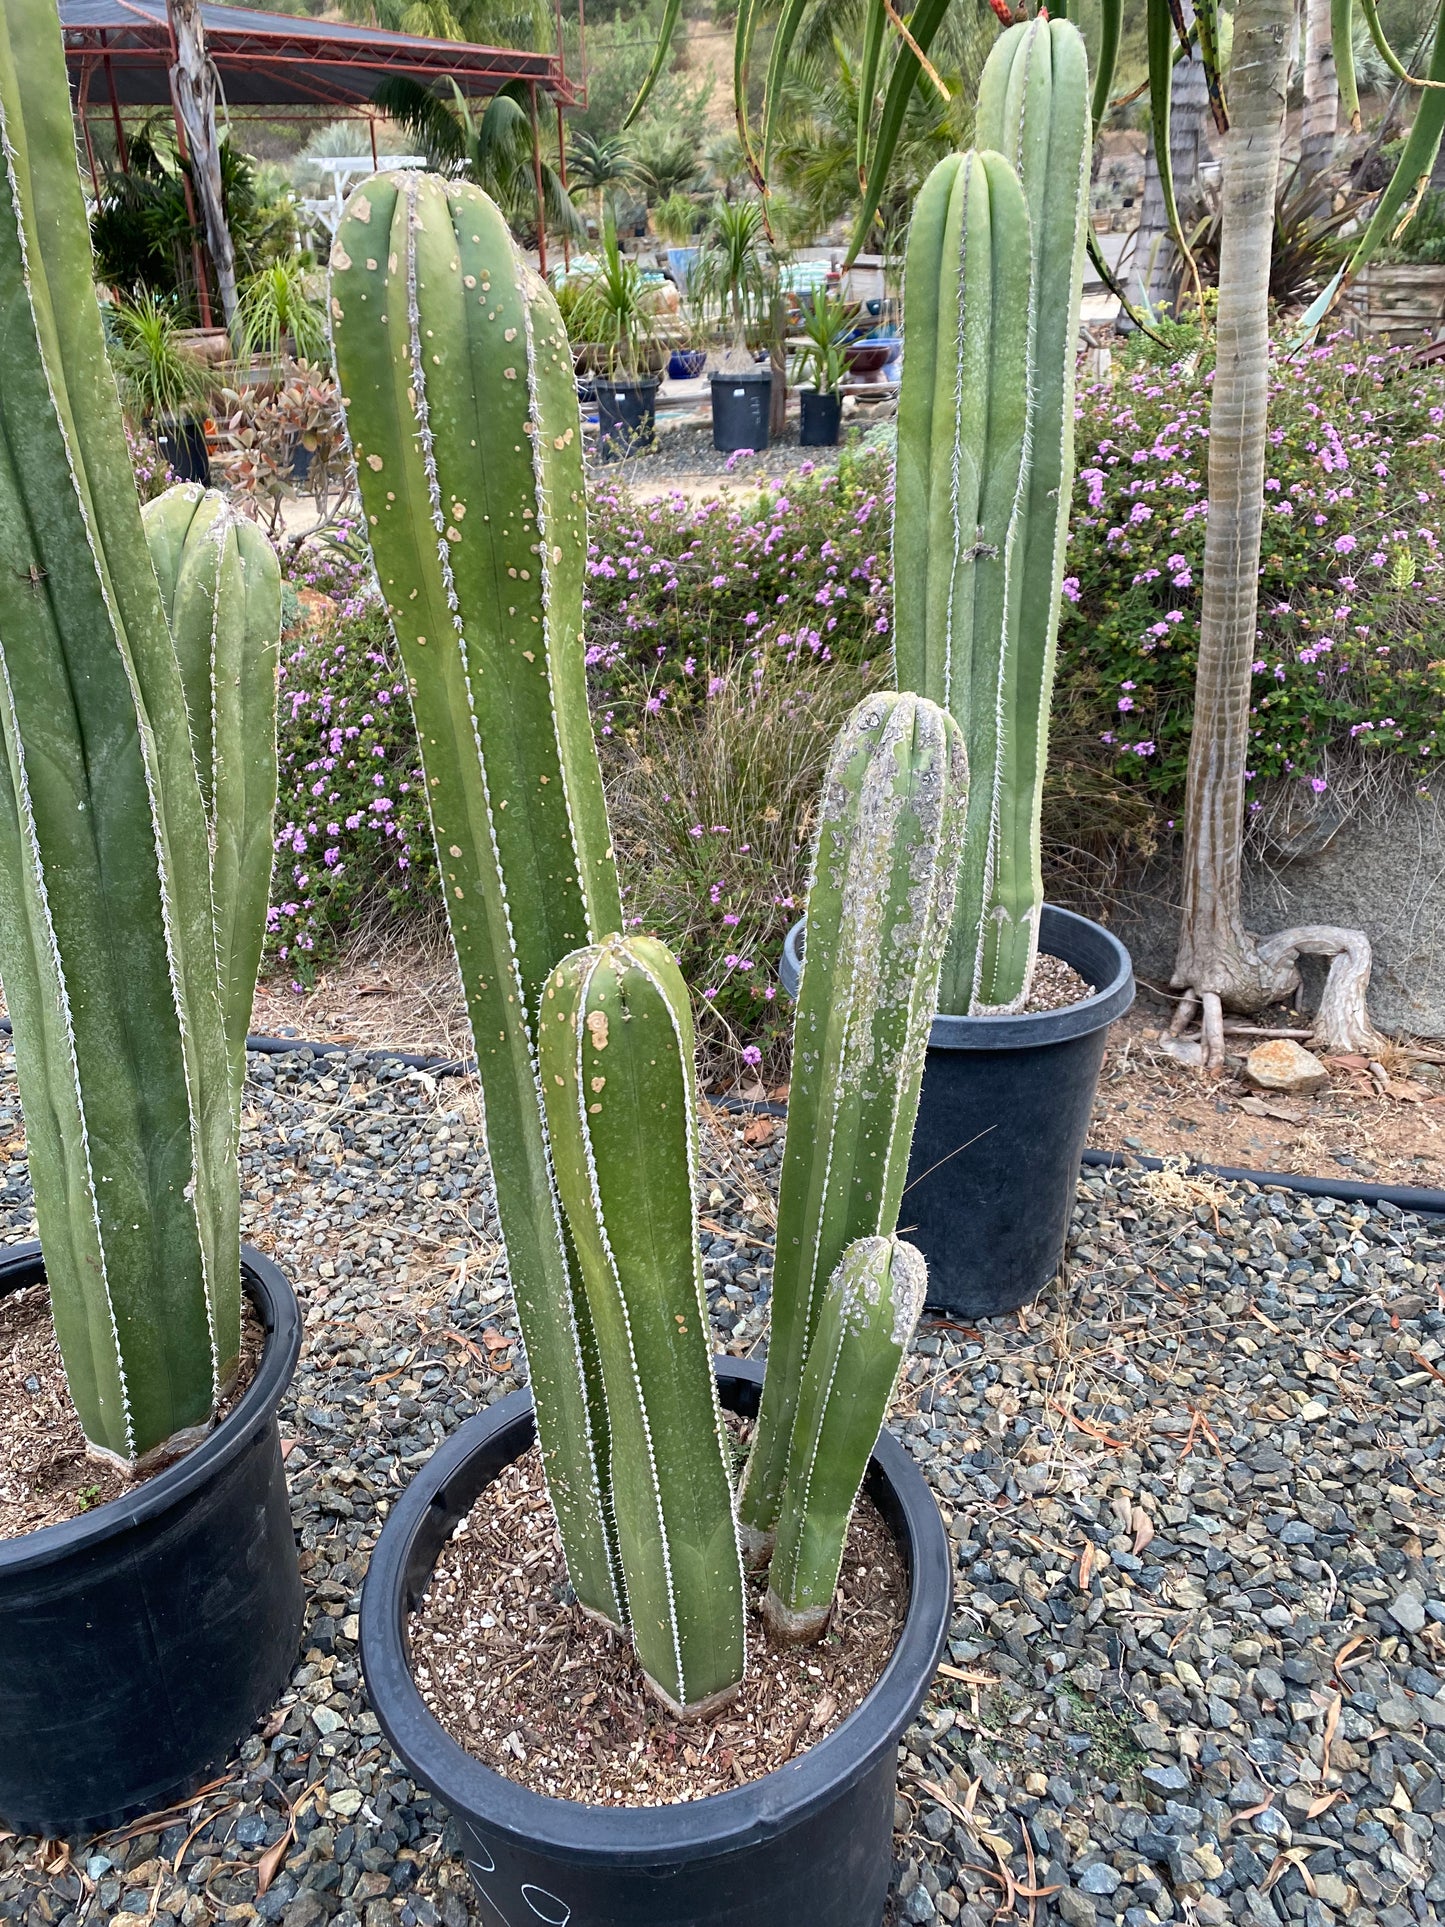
(866, 1317)
(457, 382)
(107, 935)
(617, 1070)
(880, 900)
(221, 589)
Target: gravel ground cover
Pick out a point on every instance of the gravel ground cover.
(1196, 1668)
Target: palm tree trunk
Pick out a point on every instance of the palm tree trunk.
(193, 83)
(1218, 962)
(1322, 94)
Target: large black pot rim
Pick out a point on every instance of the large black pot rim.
(275, 1304)
(645, 1836)
(1028, 1030)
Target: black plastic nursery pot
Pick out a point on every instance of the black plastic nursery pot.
(143, 1639)
(183, 443)
(740, 409)
(810, 1843)
(821, 418)
(626, 417)
(1001, 1126)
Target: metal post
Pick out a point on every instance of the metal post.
(371, 127)
(537, 177)
(122, 154)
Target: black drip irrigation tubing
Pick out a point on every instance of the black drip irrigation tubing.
(1404, 1197)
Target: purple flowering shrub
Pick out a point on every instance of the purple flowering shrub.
(678, 591)
(351, 825)
(1352, 577)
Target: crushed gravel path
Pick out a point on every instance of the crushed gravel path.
(1197, 1665)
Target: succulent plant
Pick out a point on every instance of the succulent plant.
(880, 899)
(866, 1317)
(221, 589)
(457, 382)
(985, 467)
(458, 387)
(108, 938)
(617, 1070)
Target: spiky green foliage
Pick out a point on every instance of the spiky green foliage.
(985, 465)
(879, 906)
(617, 1070)
(221, 589)
(457, 381)
(866, 1317)
(107, 943)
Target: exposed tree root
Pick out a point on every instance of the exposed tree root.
(1341, 1024)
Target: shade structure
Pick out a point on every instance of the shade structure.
(121, 50)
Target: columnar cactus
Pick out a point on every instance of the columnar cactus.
(985, 467)
(880, 900)
(617, 1070)
(221, 588)
(107, 935)
(865, 1319)
(458, 386)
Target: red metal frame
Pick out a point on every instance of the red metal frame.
(477, 70)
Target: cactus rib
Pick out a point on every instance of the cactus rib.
(462, 410)
(617, 1071)
(880, 900)
(866, 1318)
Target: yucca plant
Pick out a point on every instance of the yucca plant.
(133, 874)
(456, 377)
(159, 378)
(278, 308)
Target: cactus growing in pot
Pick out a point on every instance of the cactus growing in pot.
(985, 466)
(456, 380)
(108, 934)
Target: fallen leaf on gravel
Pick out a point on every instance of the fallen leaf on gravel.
(1323, 1803)
(759, 1130)
(823, 1712)
(269, 1865)
(1086, 1566)
(1143, 1527)
(1332, 1720)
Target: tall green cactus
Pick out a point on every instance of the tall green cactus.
(880, 901)
(865, 1319)
(617, 1070)
(221, 586)
(458, 386)
(107, 938)
(985, 466)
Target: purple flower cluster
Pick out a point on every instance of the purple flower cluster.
(1351, 570)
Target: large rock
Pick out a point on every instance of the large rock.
(1281, 1065)
(1379, 868)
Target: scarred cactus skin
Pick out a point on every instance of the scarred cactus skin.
(865, 1319)
(617, 1070)
(879, 905)
(985, 466)
(221, 587)
(107, 931)
(460, 399)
